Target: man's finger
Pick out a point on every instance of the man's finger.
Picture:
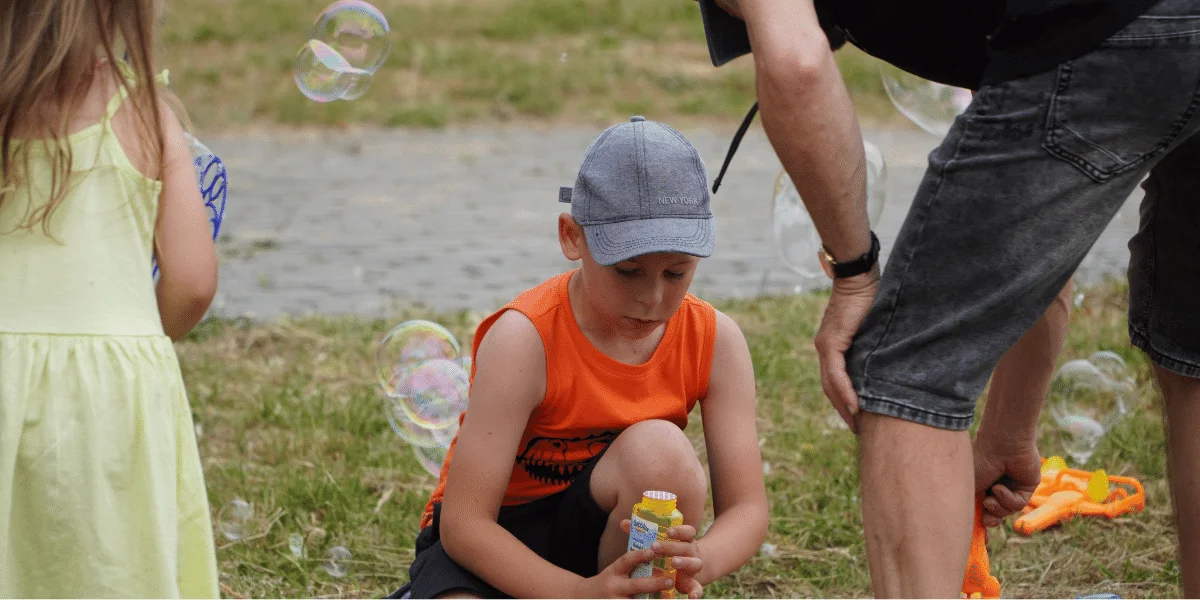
(1008, 499)
(992, 506)
(837, 386)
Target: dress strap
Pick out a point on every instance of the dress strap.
(114, 103)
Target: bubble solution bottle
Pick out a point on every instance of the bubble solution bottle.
(651, 519)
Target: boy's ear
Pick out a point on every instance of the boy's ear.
(570, 237)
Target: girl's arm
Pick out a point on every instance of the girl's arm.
(735, 464)
(510, 382)
(187, 257)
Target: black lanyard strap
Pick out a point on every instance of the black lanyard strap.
(733, 146)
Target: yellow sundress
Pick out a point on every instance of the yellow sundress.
(101, 488)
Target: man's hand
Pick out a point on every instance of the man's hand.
(1009, 471)
(849, 303)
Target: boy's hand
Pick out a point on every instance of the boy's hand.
(687, 561)
(686, 557)
(614, 581)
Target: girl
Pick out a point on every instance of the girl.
(101, 488)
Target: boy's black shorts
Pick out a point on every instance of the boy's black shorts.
(563, 528)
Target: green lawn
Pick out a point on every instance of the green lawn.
(457, 62)
(291, 421)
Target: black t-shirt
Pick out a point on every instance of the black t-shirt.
(968, 43)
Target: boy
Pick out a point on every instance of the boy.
(581, 388)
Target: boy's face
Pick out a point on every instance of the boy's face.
(637, 296)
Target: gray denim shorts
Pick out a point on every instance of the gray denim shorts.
(1014, 197)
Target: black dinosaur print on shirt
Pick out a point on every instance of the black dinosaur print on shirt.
(556, 461)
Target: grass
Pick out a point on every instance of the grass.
(472, 61)
(291, 422)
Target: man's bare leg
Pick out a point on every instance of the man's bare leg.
(918, 505)
(917, 481)
(1023, 376)
(1182, 402)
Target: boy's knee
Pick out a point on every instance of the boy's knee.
(657, 454)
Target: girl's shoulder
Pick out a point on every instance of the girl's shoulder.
(105, 111)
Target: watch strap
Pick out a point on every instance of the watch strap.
(859, 265)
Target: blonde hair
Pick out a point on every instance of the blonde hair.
(50, 54)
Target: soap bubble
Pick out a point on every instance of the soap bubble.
(296, 545)
(795, 235)
(234, 519)
(442, 436)
(408, 344)
(357, 31)
(401, 422)
(1087, 398)
(1079, 437)
(336, 564)
(1113, 368)
(431, 458)
(358, 86)
(876, 182)
(347, 44)
(322, 74)
(433, 392)
(930, 105)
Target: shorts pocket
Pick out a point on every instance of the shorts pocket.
(1127, 101)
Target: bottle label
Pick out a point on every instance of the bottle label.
(642, 534)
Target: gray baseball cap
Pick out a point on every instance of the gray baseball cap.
(642, 188)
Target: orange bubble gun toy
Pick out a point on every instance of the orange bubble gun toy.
(1066, 493)
(978, 581)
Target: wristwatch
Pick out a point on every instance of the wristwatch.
(850, 268)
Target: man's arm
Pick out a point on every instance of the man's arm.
(809, 118)
(735, 465)
(1006, 441)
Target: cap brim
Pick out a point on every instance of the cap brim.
(611, 243)
(726, 34)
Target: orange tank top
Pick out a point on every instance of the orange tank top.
(590, 398)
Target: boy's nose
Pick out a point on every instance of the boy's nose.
(651, 294)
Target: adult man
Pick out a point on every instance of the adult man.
(1077, 101)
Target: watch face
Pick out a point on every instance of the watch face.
(825, 266)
